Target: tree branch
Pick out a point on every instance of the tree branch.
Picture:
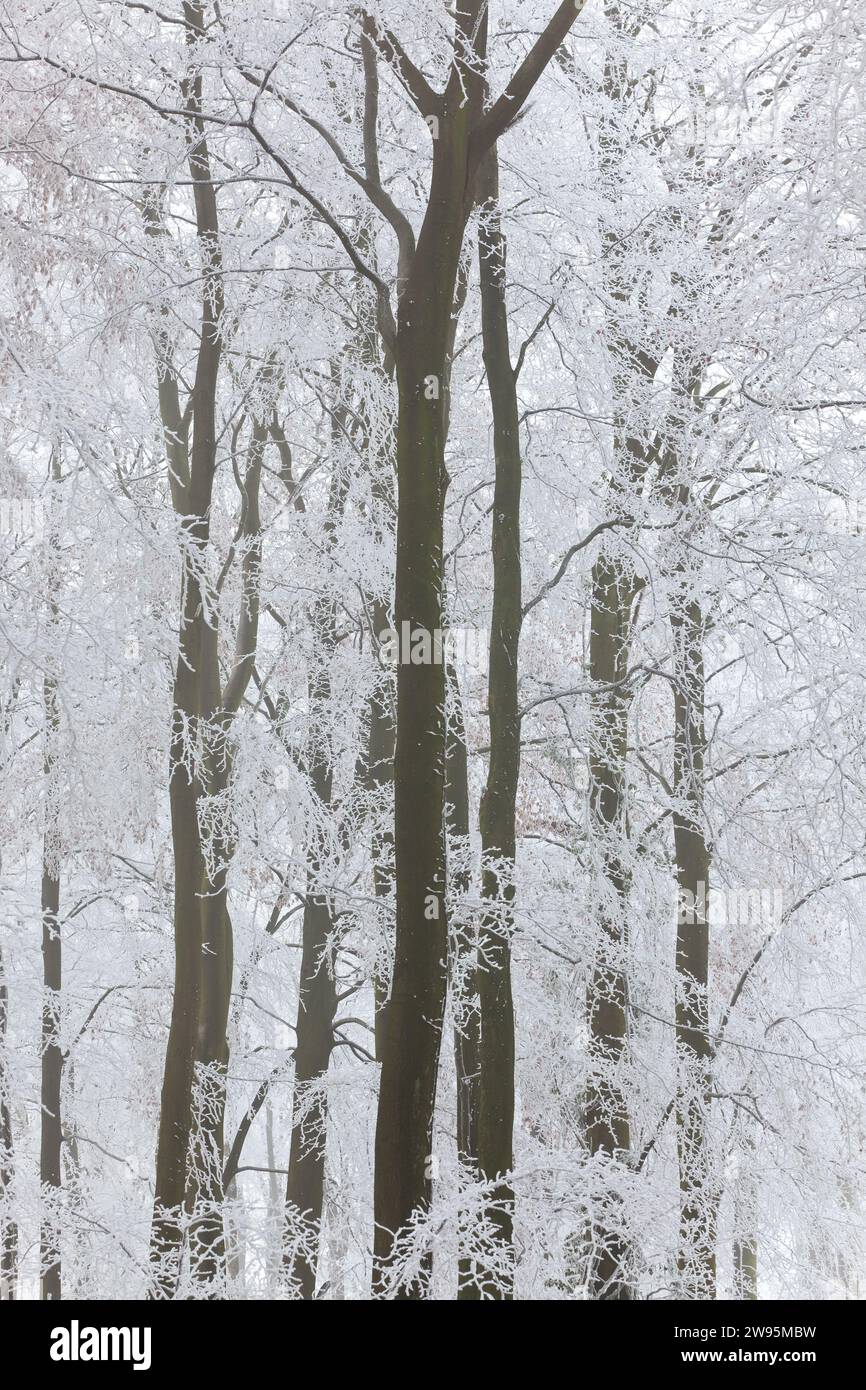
(569, 556)
(503, 111)
(428, 102)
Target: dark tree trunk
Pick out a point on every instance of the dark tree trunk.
(379, 779)
(464, 132)
(462, 945)
(746, 1218)
(697, 1254)
(377, 352)
(51, 1139)
(315, 1041)
(746, 1269)
(317, 999)
(499, 800)
(462, 963)
(413, 1018)
(305, 1186)
(8, 1225)
(696, 1259)
(189, 1153)
(413, 1024)
(606, 1120)
(615, 588)
(207, 1239)
(175, 1116)
(52, 1071)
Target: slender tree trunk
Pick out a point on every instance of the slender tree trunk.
(746, 1269)
(462, 963)
(51, 1143)
(607, 1126)
(175, 1117)
(8, 1224)
(378, 355)
(463, 134)
(207, 1238)
(316, 1010)
(606, 1119)
(191, 1116)
(317, 993)
(413, 1019)
(52, 1070)
(413, 1026)
(499, 800)
(699, 1193)
(745, 1203)
(235, 1245)
(276, 1209)
(379, 779)
(185, 792)
(697, 1257)
(317, 1000)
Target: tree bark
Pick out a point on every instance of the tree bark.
(379, 778)
(696, 1260)
(51, 1138)
(205, 1186)
(317, 998)
(413, 1023)
(8, 1224)
(190, 1148)
(615, 587)
(413, 1018)
(606, 1119)
(50, 1178)
(499, 800)
(462, 963)
(463, 134)
(699, 1195)
(746, 1269)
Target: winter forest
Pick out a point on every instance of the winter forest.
(433, 688)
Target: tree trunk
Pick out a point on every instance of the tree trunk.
(175, 1116)
(8, 1225)
(413, 1025)
(376, 351)
(185, 791)
(697, 1256)
(52, 1070)
(207, 1236)
(606, 1119)
(197, 757)
(317, 994)
(462, 963)
(51, 1142)
(499, 800)
(463, 134)
(746, 1269)
(607, 1126)
(699, 1194)
(745, 1202)
(413, 1018)
(315, 1040)
(379, 778)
